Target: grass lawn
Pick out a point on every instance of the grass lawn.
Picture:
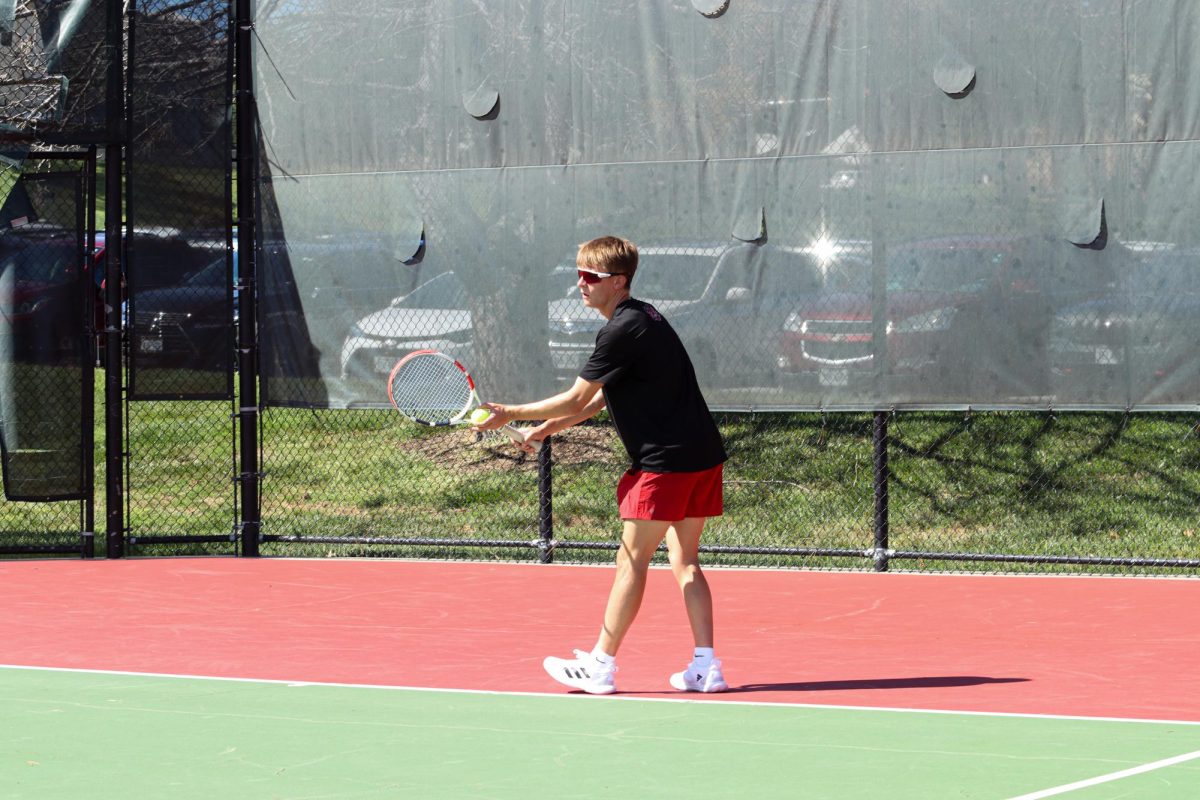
(1080, 484)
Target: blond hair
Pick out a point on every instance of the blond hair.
(609, 254)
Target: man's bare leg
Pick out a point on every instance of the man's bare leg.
(683, 546)
(704, 673)
(639, 539)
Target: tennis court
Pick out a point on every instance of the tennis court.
(378, 678)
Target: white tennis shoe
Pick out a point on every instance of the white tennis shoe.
(582, 672)
(700, 679)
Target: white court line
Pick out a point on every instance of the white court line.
(715, 567)
(1110, 777)
(894, 571)
(579, 696)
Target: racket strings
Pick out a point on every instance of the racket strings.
(431, 388)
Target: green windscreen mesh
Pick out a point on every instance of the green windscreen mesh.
(180, 264)
(42, 341)
(839, 203)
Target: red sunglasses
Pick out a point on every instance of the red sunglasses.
(590, 277)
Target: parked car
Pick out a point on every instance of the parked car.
(726, 300)
(41, 294)
(949, 302)
(434, 315)
(1133, 338)
(189, 323)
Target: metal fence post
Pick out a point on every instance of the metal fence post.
(879, 440)
(114, 434)
(545, 503)
(248, 413)
(89, 372)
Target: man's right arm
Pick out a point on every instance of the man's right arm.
(552, 426)
(571, 404)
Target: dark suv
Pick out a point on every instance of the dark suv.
(182, 309)
(726, 300)
(1136, 342)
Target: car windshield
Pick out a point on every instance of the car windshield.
(213, 275)
(1171, 275)
(442, 291)
(38, 264)
(682, 275)
(847, 275)
(942, 270)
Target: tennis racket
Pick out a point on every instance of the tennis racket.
(433, 389)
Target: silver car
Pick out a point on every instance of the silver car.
(727, 302)
(433, 316)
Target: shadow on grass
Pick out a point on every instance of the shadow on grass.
(1060, 466)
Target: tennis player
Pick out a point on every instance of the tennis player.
(640, 370)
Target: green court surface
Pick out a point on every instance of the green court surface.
(105, 735)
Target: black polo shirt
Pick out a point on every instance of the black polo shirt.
(652, 394)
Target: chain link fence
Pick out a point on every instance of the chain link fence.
(46, 302)
(52, 61)
(797, 319)
(991, 491)
(361, 482)
(181, 497)
(1115, 492)
(1012, 491)
(181, 269)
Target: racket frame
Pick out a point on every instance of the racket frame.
(460, 418)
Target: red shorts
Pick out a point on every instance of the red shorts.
(671, 496)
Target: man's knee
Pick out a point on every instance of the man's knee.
(683, 559)
(635, 557)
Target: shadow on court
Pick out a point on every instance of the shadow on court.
(938, 682)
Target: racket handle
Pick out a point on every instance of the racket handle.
(516, 436)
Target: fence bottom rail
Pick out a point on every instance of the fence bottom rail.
(867, 554)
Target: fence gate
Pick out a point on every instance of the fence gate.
(180, 268)
(48, 286)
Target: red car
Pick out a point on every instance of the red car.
(41, 293)
(960, 311)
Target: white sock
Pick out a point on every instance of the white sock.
(601, 657)
(703, 656)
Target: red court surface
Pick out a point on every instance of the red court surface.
(1096, 647)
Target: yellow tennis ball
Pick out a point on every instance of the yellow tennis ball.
(479, 415)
